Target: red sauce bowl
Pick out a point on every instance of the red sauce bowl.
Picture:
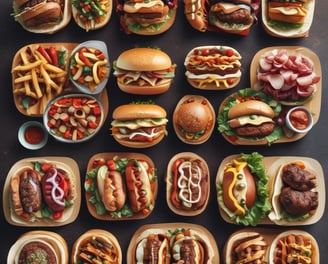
(299, 119)
(32, 135)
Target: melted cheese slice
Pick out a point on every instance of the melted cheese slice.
(134, 7)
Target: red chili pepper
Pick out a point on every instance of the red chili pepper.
(145, 211)
(54, 56)
(83, 58)
(44, 53)
(64, 185)
(92, 124)
(68, 134)
(79, 134)
(77, 102)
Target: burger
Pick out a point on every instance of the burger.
(247, 246)
(193, 119)
(120, 186)
(96, 245)
(235, 16)
(248, 117)
(213, 67)
(37, 247)
(151, 17)
(94, 16)
(38, 16)
(144, 71)
(139, 125)
(287, 12)
(153, 247)
(187, 184)
(242, 191)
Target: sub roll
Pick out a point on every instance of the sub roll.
(139, 125)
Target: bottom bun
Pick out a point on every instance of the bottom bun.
(219, 84)
(48, 245)
(149, 90)
(96, 244)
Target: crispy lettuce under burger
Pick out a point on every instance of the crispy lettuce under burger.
(250, 128)
(261, 205)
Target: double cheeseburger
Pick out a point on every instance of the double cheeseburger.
(213, 67)
(139, 125)
(146, 17)
(42, 16)
(193, 119)
(286, 11)
(144, 71)
(248, 117)
(235, 16)
(242, 189)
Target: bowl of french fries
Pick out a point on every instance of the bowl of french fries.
(89, 67)
(74, 118)
(39, 74)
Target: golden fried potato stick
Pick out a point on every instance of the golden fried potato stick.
(36, 83)
(27, 67)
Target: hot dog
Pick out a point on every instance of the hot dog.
(42, 16)
(241, 189)
(187, 184)
(126, 186)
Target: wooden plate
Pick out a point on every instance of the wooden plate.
(270, 236)
(70, 214)
(201, 233)
(38, 108)
(292, 33)
(272, 166)
(120, 155)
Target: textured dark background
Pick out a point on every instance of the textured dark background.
(176, 42)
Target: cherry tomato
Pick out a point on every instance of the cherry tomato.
(57, 215)
(229, 52)
(205, 52)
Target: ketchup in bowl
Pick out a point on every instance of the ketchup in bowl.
(32, 135)
(299, 119)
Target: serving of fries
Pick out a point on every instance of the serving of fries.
(39, 73)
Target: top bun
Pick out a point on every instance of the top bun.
(136, 111)
(251, 107)
(143, 59)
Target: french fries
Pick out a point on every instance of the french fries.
(34, 77)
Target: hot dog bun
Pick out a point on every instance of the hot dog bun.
(187, 184)
(143, 125)
(134, 68)
(99, 244)
(45, 17)
(50, 245)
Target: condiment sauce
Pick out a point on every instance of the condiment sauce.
(299, 119)
(34, 134)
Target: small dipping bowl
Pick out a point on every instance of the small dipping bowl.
(32, 135)
(299, 119)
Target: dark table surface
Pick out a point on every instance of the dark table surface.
(176, 42)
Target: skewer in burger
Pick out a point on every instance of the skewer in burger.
(213, 67)
(144, 17)
(144, 71)
(248, 118)
(96, 245)
(193, 119)
(242, 191)
(139, 125)
(42, 16)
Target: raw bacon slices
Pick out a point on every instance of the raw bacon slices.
(287, 76)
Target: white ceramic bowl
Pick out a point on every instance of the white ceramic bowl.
(84, 88)
(304, 112)
(74, 118)
(32, 135)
